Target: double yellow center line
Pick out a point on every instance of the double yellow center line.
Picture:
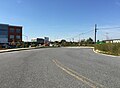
(77, 76)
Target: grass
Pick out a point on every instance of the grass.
(111, 48)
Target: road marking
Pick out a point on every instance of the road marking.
(85, 80)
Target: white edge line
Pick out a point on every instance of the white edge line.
(78, 47)
(93, 51)
(103, 54)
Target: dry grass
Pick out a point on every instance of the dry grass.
(113, 49)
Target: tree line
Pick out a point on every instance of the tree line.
(83, 42)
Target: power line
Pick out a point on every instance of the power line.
(109, 28)
(87, 32)
(71, 38)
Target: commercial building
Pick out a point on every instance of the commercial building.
(38, 40)
(112, 41)
(10, 34)
(43, 41)
(46, 41)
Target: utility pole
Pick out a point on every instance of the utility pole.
(73, 40)
(26, 37)
(79, 38)
(95, 32)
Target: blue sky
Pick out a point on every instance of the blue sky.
(62, 19)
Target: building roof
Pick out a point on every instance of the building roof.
(15, 26)
(10, 25)
(111, 39)
(4, 24)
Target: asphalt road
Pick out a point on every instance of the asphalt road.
(59, 68)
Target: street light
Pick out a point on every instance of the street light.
(80, 37)
(26, 37)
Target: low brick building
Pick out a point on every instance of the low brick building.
(10, 34)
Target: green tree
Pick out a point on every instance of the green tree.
(89, 41)
(63, 42)
(82, 42)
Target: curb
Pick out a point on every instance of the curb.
(97, 52)
(22, 49)
(103, 54)
(79, 47)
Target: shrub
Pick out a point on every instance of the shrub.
(33, 45)
(110, 48)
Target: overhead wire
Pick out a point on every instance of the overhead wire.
(108, 28)
(70, 38)
(78, 35)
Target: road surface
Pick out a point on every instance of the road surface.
(59, 68)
